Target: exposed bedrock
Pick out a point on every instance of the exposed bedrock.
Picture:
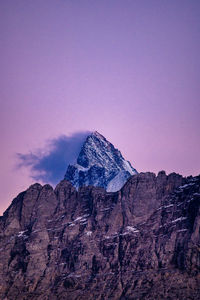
(142, 242)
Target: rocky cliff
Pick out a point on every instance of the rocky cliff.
(142, 242)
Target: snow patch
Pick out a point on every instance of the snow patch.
(118, 181)
(186, 185)
(179, 219)
(105, 209)
(165, 206)
(88, 233)
(21, 233)
(132, 229)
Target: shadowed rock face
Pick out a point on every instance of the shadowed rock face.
(142, 242)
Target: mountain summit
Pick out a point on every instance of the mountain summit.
(99, 164)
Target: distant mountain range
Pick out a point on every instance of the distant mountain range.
(99, 164)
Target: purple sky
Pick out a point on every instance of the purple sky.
(129, 69)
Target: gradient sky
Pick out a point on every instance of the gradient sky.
(129, 69)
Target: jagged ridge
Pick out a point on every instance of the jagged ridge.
(139, 243)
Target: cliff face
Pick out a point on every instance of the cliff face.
(142, 242)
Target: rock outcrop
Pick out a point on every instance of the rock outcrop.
(142, 242)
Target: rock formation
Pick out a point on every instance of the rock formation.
(99, 164)
(142, 242)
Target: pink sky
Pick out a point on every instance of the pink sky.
(129, 69)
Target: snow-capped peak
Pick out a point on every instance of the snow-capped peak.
(100, 164)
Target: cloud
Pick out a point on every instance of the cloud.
(50, 163)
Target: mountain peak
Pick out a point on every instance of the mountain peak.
(99, 163)
(97, 134)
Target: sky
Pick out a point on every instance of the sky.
(129, 69)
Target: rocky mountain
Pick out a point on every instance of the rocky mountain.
(142, 242)
(99, 164)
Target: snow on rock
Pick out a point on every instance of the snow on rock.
(182, 230)
(21, 233)
(88, 233)
(186, 185)
(99, 164)
(179, 219)
(132, 229)
(118, 181)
